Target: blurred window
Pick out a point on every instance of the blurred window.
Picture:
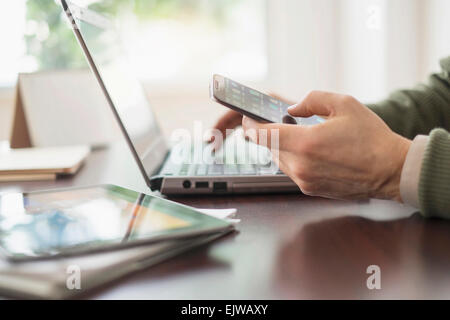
(165, 39)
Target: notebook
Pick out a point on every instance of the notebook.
(41, 163)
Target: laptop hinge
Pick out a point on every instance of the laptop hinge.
(156, 183)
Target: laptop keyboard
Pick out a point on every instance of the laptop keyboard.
(231, 162)
(219, 170)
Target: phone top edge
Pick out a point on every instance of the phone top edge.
(217, 98)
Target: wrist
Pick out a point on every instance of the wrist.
(390, 187)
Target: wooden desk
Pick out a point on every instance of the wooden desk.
(288, 247)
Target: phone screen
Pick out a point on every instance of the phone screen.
(256, 103)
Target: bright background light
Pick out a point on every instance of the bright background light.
(12, 28)
(186, 42)
(366, 48)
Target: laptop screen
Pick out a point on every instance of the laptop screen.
(125, 94)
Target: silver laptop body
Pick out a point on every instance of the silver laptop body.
(162, 167)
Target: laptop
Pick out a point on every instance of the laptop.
(187, 167)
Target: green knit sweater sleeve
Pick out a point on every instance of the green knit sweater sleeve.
(426, 110)
(421, 109)
(434, 181)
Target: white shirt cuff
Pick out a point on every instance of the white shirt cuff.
(409, 180)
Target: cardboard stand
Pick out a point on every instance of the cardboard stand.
(61, 108)
(20, 136)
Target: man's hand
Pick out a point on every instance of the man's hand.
(230, 120)
(352, 155)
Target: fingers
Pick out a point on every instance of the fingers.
(229, 120)
(316, 103)
(254, 131)
(271, 135)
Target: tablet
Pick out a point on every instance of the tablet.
(74, 221)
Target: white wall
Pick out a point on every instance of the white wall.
(437, 32)
(301, 45)
(362, 47)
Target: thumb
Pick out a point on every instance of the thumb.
(315, 103)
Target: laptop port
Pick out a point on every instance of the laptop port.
(186, 184)
(219, 186)
(201, 184)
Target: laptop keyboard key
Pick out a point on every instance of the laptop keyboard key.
(171, 169)
(215, 170)
(184, 170)
(267, 170)
(231, 169)
(247, 169)
(202, 170)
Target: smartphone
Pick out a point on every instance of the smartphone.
(254, 104)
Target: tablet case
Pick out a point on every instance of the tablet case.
(49, 279)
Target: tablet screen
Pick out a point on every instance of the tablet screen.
(52, 223)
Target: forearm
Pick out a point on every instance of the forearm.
(419, 110)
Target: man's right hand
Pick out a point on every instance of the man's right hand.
(230, 120)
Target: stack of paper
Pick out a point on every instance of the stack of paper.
(68, 277)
